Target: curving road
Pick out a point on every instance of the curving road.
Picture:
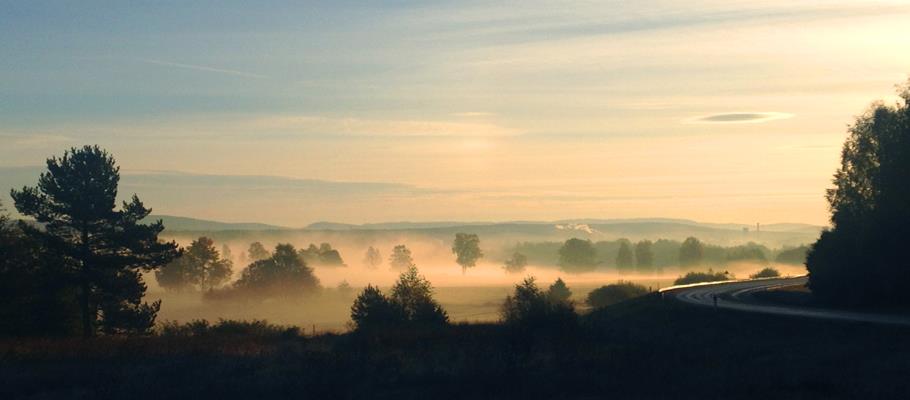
(739, 295)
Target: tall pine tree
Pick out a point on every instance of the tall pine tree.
(104, 249)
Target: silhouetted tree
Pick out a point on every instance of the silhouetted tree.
(411, 302)
(624, 258)
(691, 252)
(559, 292)
(516, 263)
(644, 257)
(414, 294)
(37, 297)
(401, 258)
(466, 248)
(257, 252)
(200, 265)
(529, 308)
(324, 255)
(860, 260)
(372, 258)
(615, 293)
(372, 309)
(105, 249)
(282, 274)
(577, 255)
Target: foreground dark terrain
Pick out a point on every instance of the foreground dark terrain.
(644, 348)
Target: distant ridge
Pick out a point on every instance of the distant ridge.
(405, 225)
(173, 223)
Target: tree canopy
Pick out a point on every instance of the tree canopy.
(103, 249)
(257, 252)
(372, 258)
(467, 250)
(401, 258)
(577, 255)
(644, 256)
(411, 302)
(691, 252)
(284, 274)
(624, 258)
(860, 260)
(516, 263)
(200, 266)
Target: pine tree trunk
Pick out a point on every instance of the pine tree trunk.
(87, 321)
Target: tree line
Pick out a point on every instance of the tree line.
(583, 255)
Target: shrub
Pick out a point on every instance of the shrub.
(531, 308)
(226, 327)
(699, 277)
(615, 293)
(766, 272)
(373, 309)
(411, 302)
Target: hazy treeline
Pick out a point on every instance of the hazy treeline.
(663, 253)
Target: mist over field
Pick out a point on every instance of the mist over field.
(475, 295)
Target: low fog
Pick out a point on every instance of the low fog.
(475, 295)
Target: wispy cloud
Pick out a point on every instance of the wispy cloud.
(473, 114)
(739, 118)
(371, 127)
(205, 68)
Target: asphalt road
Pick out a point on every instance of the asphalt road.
(739, 295)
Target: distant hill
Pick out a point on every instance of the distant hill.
(172, 223)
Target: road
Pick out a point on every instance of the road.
(739, 295)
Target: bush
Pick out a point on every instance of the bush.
(699, 277)
(767, 272)
(226, 327)
(411, 302)
(615, 293)
(531, 308)
(372, 309)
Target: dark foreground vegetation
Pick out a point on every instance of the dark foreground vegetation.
(643, 348)
(861, 261)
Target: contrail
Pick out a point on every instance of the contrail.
(204, 68)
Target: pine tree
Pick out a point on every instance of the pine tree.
(105, 249)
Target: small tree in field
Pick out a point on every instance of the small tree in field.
(104, 248)
(516, 263)
(414, 294)
(372, 258)
(467, 250)
(284, 274)
(257, 252)
(199, 266)
(529, 308)
(411, 302)
(401, 258)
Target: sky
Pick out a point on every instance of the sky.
(719, 111)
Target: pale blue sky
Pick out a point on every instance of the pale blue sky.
(712, 110)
